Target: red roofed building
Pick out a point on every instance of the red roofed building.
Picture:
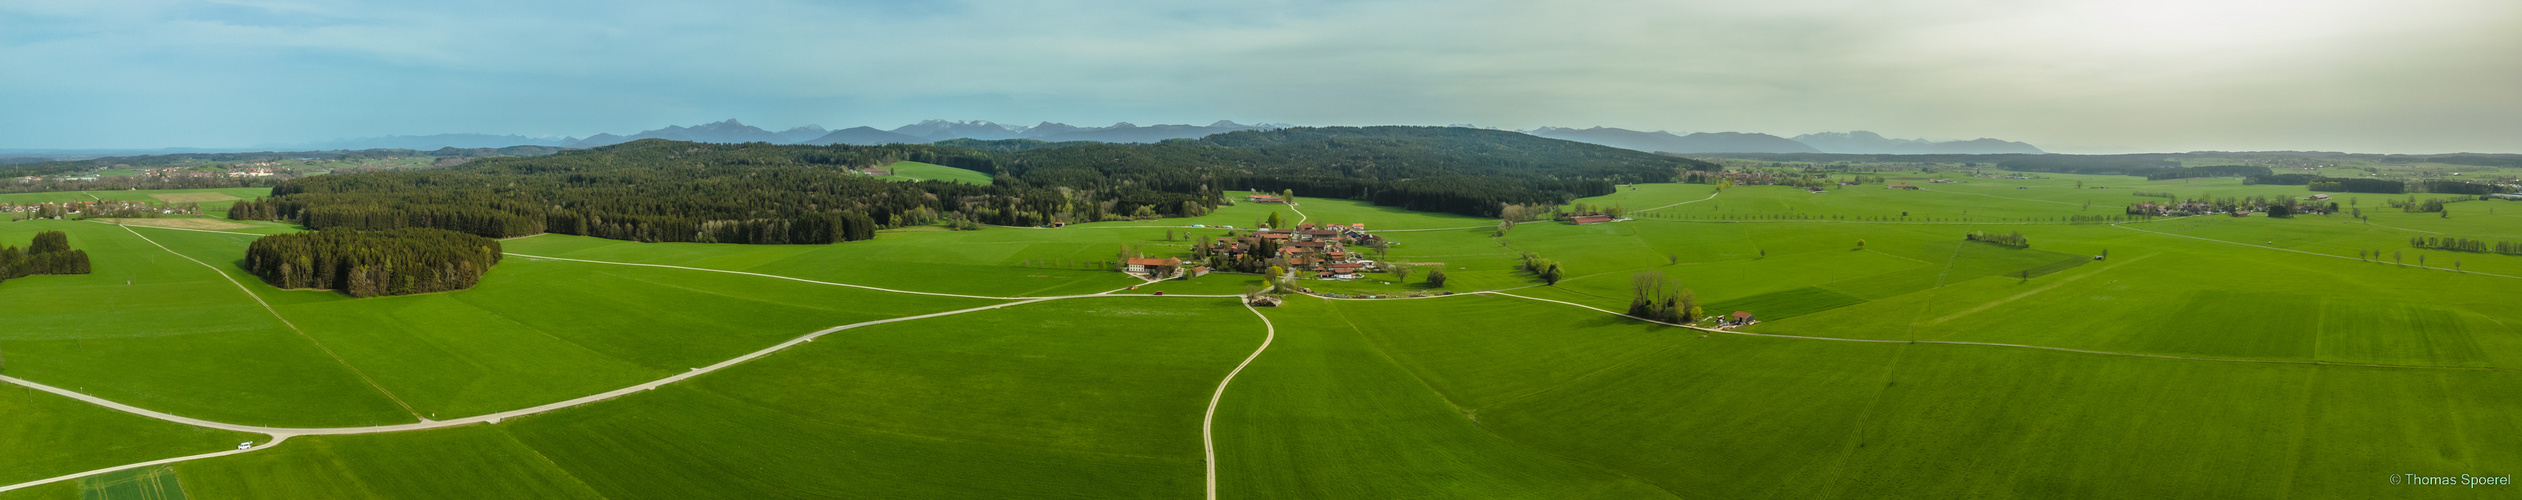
(1263, 198)
(1164, 267)
(1589, 219)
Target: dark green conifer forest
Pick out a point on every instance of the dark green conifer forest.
(374, 262)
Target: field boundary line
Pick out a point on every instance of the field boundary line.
(2052, 285)
(1208, 421)
(1711, 196)
(2341, 257)
(293, 327)
(2024, 346)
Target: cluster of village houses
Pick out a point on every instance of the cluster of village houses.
(188, 172)
(1317, 250)
(167, 173)
(50, 210)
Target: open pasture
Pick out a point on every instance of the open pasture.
(916, 171)
(1062, 399)
(535, 331)
(1695, 415)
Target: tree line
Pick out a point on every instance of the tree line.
(2465, 245)
(2245, 171)
(372, 263)
(2010, 240)
(49, 254)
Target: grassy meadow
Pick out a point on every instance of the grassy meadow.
(916, 171)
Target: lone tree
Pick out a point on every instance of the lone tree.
(1400, 274)
(1436, 278)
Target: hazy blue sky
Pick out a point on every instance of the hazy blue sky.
(2079, 75)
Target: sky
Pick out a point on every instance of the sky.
(2091, 76)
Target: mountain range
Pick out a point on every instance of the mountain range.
(1858, 142)
(732, 131)
(1863, 142)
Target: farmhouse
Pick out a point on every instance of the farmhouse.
(1589, 219)
(878, 172)
(1155, 268)
(1740, 318)
(1263, 198)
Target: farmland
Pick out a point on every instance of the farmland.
(2204, 356)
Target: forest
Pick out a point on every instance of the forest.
(2357, 185)
(49, 254)
(2208, 171)
(657, 190)
(372, 263)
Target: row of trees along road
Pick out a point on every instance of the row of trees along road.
(371, 263)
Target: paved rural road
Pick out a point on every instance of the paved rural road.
(1208, 440)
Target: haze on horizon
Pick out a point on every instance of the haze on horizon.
(2418, 76)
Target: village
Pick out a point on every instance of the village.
(1321, 251)
(99, 208)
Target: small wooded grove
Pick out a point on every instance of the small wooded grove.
(50, 254)
(656, 190)
(371, 263)
(2466, 245)
(2011, 240)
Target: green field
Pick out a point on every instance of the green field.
(47, 435)
(2213, 357)
(916, 171)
